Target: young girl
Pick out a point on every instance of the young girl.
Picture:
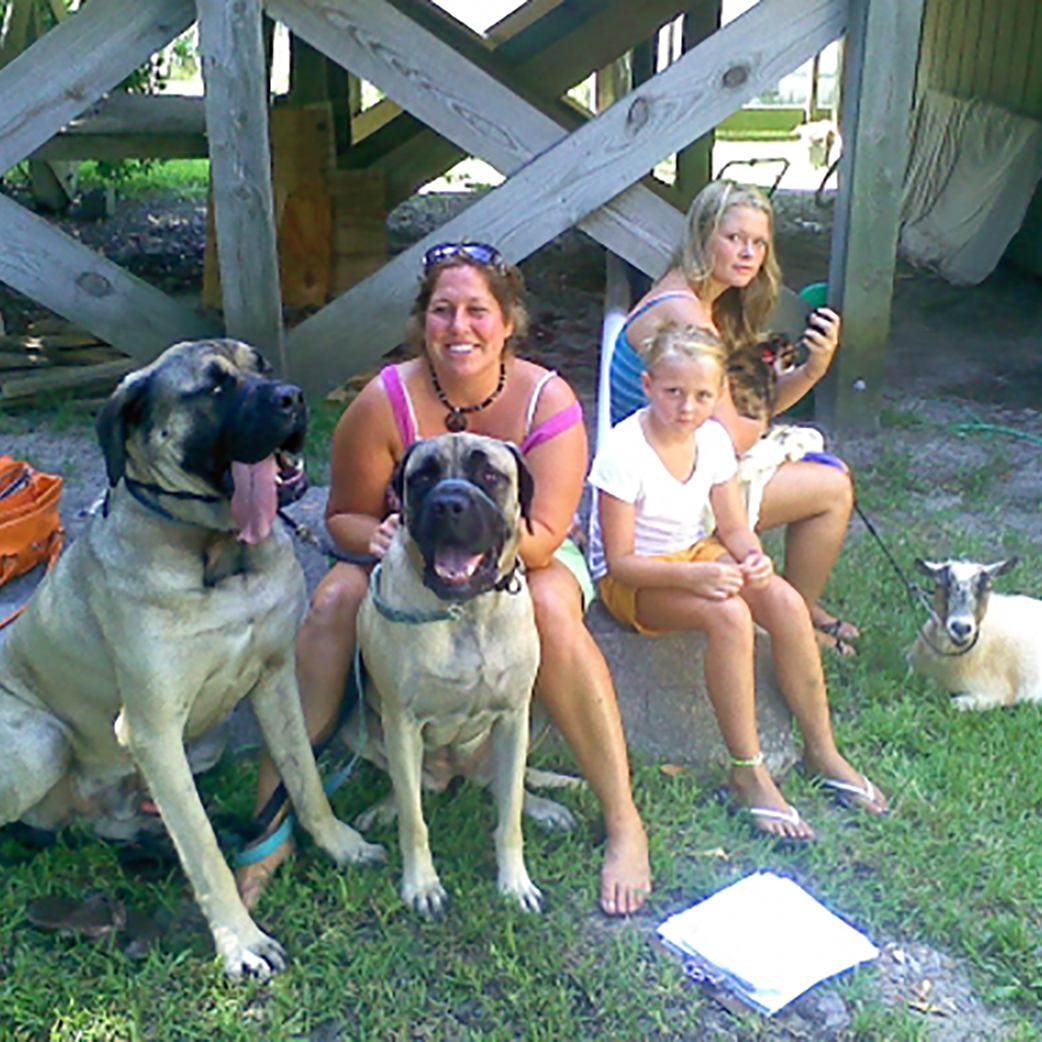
(724, 276)
(655, 474)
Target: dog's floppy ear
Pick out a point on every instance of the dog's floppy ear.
(398, 477)
(525, 485)
(123, 408)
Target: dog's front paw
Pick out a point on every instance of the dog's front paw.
(382, 813)
(966, 702)
(549, 814)
(428, 897)
(249, 952)
(518, 887)
(346, 846)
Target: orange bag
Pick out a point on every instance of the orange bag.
(30, 527)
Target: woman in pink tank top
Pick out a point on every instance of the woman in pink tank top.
(467, 318)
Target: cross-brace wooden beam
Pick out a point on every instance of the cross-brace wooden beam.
(558, 180)
(60, 75)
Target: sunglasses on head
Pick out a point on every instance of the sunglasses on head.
(479, 252)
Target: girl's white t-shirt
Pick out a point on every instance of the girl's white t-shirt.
(669, 513)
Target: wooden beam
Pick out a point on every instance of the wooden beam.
(538, 63)
(133, 126)
(231, 44)
(695, 163)
(122, 113)
(86, 288)
(114, 147)
(882, 45)
(71, 66)
(522, 18)
(571, 178)
(14, 33)
(466, 104)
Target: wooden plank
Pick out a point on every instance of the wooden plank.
(22, 387)
(133, 126)
(586, 36)
(570, 178)
(594, 43)
(525, 16)
(114, 147)
(123, 113)
(86, 288)
(695, 163)
(231, 44)
(71, 66)
(882, 44)
(370, 120)
(15, 32)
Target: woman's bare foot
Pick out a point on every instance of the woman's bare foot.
(754, 790)
(849, 786)
(626, 872)
(251, 879)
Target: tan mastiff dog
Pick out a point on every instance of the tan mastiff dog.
(448, 637)
(180, 598)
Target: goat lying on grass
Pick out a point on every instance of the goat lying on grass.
(983, 647)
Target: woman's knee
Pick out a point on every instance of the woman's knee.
(337, 598)
(839, 489)
(556, 600)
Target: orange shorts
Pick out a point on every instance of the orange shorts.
(621, 600)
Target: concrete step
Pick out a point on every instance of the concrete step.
(660, 684)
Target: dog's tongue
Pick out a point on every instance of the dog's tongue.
(455, 565)
(255, 498)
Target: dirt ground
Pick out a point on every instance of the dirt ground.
(956, 355)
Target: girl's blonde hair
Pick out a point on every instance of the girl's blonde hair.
(682, 340)
(740, 314)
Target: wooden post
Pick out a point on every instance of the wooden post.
(236, 77)
(882, 45)
(611, 83)
(695, 163)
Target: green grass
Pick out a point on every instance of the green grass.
(188, 178)
(957, 866)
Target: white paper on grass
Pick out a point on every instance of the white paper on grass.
(770, 937)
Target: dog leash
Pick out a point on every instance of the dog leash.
(305, 535)
(255, 850)
(915, 592)
(411, 617)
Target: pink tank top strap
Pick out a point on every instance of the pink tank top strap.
(549, 428)
(401, 407)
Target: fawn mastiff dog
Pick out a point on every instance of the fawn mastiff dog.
(448, 636)
(181, 597)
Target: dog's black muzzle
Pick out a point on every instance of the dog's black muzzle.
(460, 532)
(264, 417)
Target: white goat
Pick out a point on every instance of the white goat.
(983, 647)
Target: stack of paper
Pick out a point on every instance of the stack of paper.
(769, 939)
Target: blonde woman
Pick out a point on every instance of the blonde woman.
(724, 277)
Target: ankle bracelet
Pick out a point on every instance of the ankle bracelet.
(749, 761)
